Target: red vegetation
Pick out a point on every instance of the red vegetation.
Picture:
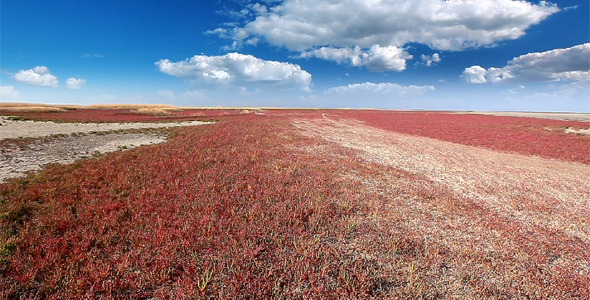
(536, 136)
(231, 209)
(208, 112)
(122, 115)
(250, 208)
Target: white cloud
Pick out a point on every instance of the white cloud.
(474, 74)
(376, 58)
(75, 83)
(7, 92)
(430, 60)
(446, 25)
(96, 55)
(380, 88)
(259, 9)
(515, 90)
(244, 91)
(580, 89)
(235, 69)
(569, 64)
(38, 75)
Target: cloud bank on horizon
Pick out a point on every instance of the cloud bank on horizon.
(487, 54)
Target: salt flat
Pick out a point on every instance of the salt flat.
(11, 129)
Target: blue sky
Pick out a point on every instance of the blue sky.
(429, 54)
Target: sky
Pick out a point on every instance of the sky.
(413, 54)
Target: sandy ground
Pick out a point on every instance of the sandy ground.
(496, 211)
(578, 131)
(17, 158)
(496, 180)
(17, 129)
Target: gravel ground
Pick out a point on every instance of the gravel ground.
(18, 157)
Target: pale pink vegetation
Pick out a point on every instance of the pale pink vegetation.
(489, 208)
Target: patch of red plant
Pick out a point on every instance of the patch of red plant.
(120, 115)
(227, 210)
(249, 208)
(208, 112)
(524, 135)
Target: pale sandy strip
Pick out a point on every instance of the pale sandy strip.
(556, 194)
(18, 129)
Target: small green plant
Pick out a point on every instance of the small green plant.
(7, 248)
(350, 224)
(16, 214)
(202, 284)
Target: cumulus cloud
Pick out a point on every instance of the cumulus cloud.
(380, 88)
(376, 58)
(474, 74)
(38, 75)
(569, 64)
(235, 69)
(75, 83)
(301, 25)
(8, 92)
(431, 60)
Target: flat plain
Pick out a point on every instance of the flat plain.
(306, 203)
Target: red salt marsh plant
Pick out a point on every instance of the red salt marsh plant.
(119, 115)
(536, 136)
(512, 226)
(254, 207)
(232, 210)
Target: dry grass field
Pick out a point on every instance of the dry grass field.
(307, 203)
